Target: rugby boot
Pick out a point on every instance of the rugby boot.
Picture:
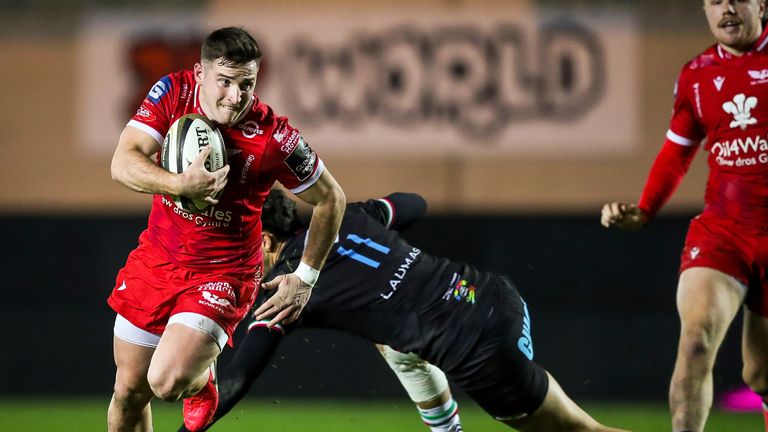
(200, 408)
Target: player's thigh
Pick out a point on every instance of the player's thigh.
(708, 300)
(132, 362)
(183, 354)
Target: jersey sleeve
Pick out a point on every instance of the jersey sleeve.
(667, 172)
(296, 165)
(397, 211)
(682, 141)
(684, 127)
(154, 114)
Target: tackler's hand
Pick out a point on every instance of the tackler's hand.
(287, 303)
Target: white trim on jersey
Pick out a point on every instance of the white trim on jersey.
(194, 99)
(128, 332)
(311, 181)
(202, 323)
(144, 128)
(762, 44)
(677, 139)
(390, 211)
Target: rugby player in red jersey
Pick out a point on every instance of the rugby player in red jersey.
(722, 98)
(194, 276)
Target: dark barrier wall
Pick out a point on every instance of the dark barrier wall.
(601, 304)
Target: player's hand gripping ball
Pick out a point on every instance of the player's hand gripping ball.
(187, 136)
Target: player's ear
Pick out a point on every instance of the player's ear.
(198, 71)
(268, 242)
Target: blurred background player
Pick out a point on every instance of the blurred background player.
(473, 325)
(192, 278)
(721, 95)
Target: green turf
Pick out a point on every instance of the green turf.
(65, 415)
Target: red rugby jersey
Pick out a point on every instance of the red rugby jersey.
(724, 98)
(261, 148)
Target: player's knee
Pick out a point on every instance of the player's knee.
(422, 381)
(131, 386)
(700, 342)
(129, 395)
(401, 362)
(167, 390)
(695, 348)
(756, 377)
(167, 385)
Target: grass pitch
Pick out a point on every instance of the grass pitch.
(79, 415)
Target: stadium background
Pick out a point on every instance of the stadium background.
(585, 88)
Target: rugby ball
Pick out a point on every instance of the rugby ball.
(187, 136)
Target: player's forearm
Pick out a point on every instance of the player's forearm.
(137, 172)
(324, 228)
(667, 172)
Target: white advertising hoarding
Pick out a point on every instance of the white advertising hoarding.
(398, 83)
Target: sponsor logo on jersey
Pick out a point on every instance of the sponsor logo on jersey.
(460, 290)
(159, 89)
(525, 342)
(697, 97)
(695, 252)
(211, 217)
(214, 294)
(741, 152)
(301, 159)
(250, 129)
(246, 167)
(703, 60)
(758, 75)
(145, 113)
(122, 286)
(213, 298)
(741, 109)
(719, 82)
(291, 143)
(401, 271)
(257, 275)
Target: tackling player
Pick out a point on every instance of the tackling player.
(194, 276)
(473, 325)
(721, 96)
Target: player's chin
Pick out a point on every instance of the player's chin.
(731, 37)
(226, 117)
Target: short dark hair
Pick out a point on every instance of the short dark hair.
(233, 45)
(278, 215)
